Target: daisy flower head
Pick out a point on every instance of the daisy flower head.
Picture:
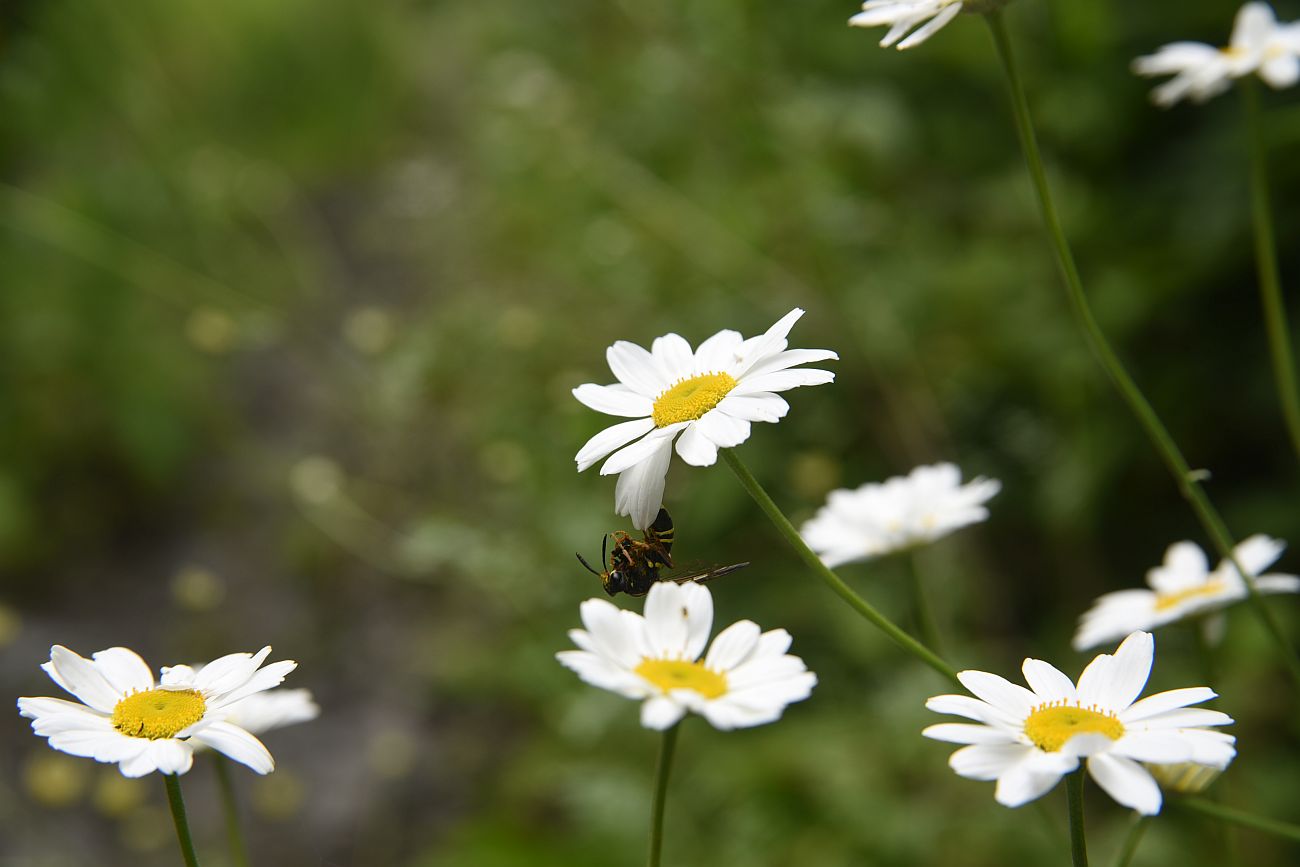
(1183, 586)
(1259, 45)
(123, 716)
(1027, 739)
(901, 16)
(905, 511)
(703, 399)
(745, 679)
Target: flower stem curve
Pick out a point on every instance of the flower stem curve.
(230, 806)
(1074, 798)
(662, 768)
(177, 804)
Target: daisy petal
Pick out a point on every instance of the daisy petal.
(660, 713)
(611, 438)
(1127, 782)
(1004, 695)
(640, 489)
(237, 744)
(82, 678)
(987, 761)
(1113, 682)
(732, 646)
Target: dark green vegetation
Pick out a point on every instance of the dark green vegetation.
(292, 296)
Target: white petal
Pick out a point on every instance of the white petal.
(783, 380)
(1026, 782)
(660, 713)
(614, 400)
(1281, 71)
(695, 448)
(971, 708)
(143, 760)
(965, 733)
(1114, 682)
(987, 761)
(82, 678)
(718, 353)
(769, 344)
(636, 368)
(1001, 693)
(229, 672)
(790, 358)
(124, 670)
(678, 618)
(1160, 747)
(732, 646)
(40, 708)
(611, 635)
(602, 673)
(171, 756)
(1184, 718)
(613, 437)
(238, 744)
(927, 30)
(1257, 553)
(724, 430)
(1165, 701)
(641, 450)
(674, 356)
(1047, 681)
(1127, 782)
(761, 406)
(264, 678)
(640, 489)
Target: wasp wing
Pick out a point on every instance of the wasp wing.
(699, 576)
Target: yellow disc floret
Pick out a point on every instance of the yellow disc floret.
(691, 398)
(158, 713)
(1051, 725)
(670, 674)
(1165, 601)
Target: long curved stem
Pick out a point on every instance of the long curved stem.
(1131, 840)
(1074, 797)
(229, 804)
(1270, 281)
(926, 624)
(1187, 480)
(856, 602)
(662, 768)
(1240, 817)
(177, 804)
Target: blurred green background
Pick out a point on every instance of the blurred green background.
(292, 296)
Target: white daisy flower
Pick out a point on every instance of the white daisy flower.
(1183, 586)
(1259, 45)
(1027, 740)
(708, 396)
(745, 679)
(274, 709)
(125, 717)
(903, 512)
(903, 15)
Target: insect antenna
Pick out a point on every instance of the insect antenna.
(585, 563)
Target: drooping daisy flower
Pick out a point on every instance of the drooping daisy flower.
(1027, 740)
(904, 511)
(1182, 587)
(745, 679)
(1259, 45)
(708, 396)
(903, 15)
(125, 717)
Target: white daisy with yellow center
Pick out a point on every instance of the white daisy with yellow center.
(125, 717)
(927, 16)
(1183, 586)
(745, 679)
(900, 513)
(1259, 45)
(703, 399)
(1027, 739)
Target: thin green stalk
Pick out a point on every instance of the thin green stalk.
(1187, 480)
(1074, 796)
(926, 623)
(1239, 817)
(178, 816)
(1132, 839)
(234, 836)
(856, 602)
(662, 769)
(1270, 280)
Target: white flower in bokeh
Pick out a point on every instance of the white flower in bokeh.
(126, 718)
(1027, 739)
(927, 16)
(705, 400)
(902, 512)
(1183, 586)
(745, 679)
(1259, 45)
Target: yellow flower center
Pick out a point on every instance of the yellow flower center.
(691, 398)
(1051, 725)
(158, 713)
(1166, 601)
(670, 674)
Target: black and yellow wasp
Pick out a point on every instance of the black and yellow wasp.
(634, 564)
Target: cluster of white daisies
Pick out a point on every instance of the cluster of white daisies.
(1259, 45)
(1025, 739)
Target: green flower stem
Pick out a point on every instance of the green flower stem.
(662, 769)
(1187, 480)
(1270, 281)
(177, 803)
(1131, 840)
(235, 837)
(1239, 817)
(856, 602)
(926, 623)
(1074, 797)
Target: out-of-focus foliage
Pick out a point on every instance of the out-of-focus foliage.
(293, 297)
